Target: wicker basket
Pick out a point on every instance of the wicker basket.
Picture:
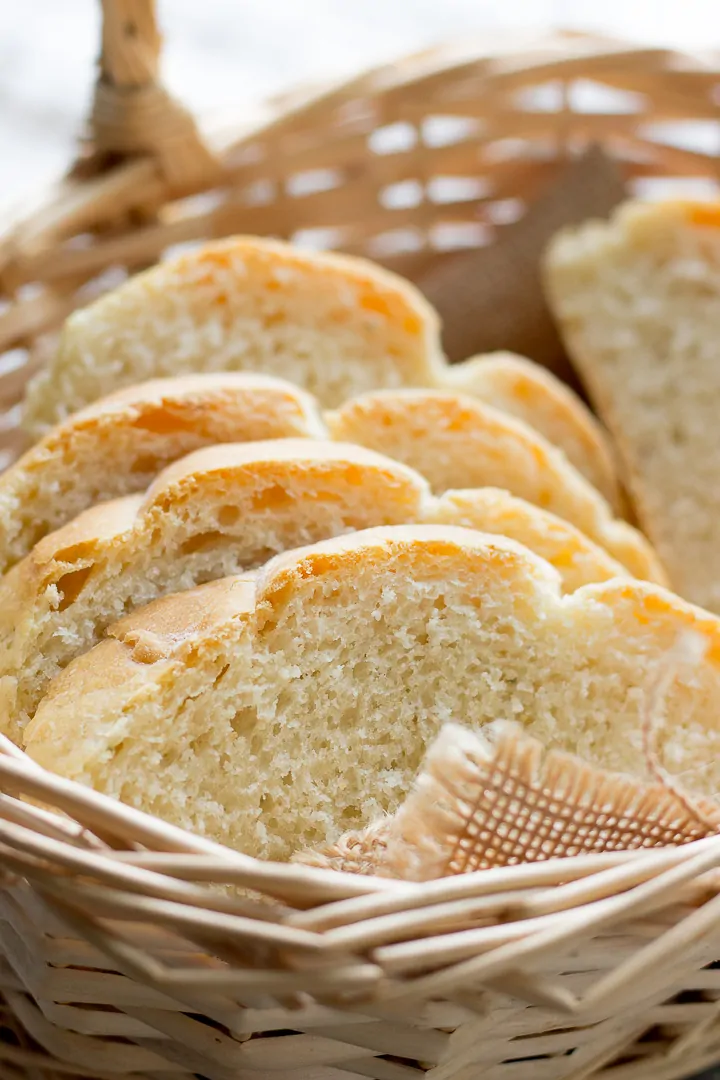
(118, 956)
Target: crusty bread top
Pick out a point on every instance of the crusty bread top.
(116, 446)
(646, 224)
(185, 398)
(645, 609)
(223, 510)
(168, 622)
(187, 476)
(262, 479)
(271, 470)
(81, 536)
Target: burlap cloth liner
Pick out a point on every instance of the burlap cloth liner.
(499, 798)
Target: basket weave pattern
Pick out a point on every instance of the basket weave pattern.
(126, 948)
(121, 956)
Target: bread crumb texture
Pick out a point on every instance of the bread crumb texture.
(275, 712)
(638, 301)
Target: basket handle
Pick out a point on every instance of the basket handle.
(132, 112)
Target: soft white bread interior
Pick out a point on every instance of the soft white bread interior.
(274, 713)
(220, 511)
(638, 302)
(118, 445)
(456, 441)
(333, 325)
(531, 393)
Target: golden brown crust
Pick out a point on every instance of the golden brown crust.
(247, 303)
(88, 530)
(186, 392)
(432, 547)
(578, 559)
(230, 458)
(242, 503)
(187, 614)
(173, 619)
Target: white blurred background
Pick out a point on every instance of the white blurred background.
(221, 53)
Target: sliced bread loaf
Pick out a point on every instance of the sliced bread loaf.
(220, 511)
(275, 712)
(335, 326)
(637, 300)
(457, 441)
(119, 445)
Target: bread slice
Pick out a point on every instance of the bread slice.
(456, 441)
(220, 511)
(274, 713)
(118, 446)
(637, 300)
(531, 393)
(577, 559)
(332, 324)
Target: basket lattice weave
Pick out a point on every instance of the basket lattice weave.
(119, 955)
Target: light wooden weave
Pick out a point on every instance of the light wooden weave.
(130, 949)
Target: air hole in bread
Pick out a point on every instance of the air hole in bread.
(201, 743)
(228, 515)
(221, 675)
(145, 463)
(201, 541)
(271, 498)
(70, 586)
(244, 720)
(162, 422)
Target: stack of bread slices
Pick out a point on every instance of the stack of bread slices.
(268, 543)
